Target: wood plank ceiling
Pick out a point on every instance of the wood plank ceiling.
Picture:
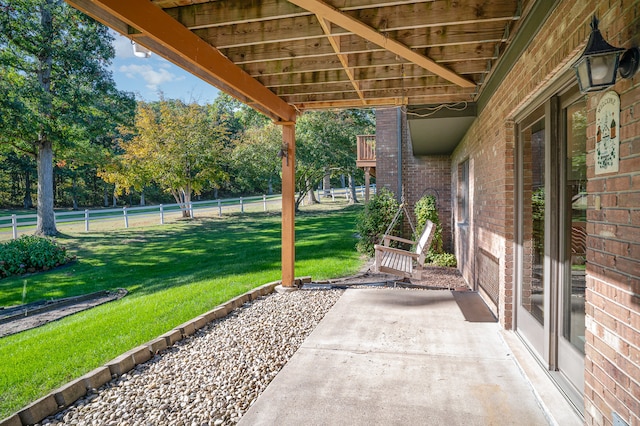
(316, 54)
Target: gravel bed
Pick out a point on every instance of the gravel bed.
(212, 377)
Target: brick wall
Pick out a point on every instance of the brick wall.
(612, 371)
(612, 360)
(426, 175)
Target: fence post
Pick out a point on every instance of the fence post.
(333, 195)
(241, 206)
(86, 220)
(161, 214)
(126, 218)
(190, 210)
(264, 202)
(219, 208)
(14, 225)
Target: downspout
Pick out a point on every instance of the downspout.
(399, 118)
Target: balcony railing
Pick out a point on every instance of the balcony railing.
(366, 156)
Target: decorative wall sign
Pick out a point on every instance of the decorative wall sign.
(608, 133)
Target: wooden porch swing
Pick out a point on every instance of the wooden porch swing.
(403, 263)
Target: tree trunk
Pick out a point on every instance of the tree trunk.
(105, 196)
(142, 198)
(75, 193)
(326, 183)
(46, 222)
(312, 193)
(352, 188)
(27, 202)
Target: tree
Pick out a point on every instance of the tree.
(326, 141)
(56, 90)
(255, 159)
(174, 145)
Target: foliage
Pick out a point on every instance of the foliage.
(326, 142)
(427, 209)
(374, 220)
(444, 259)
(255, 159)
(173, 273)
(57, 94)
(174, 145)
(30, 253)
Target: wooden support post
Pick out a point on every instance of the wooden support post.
(288, 204)
(367, 183)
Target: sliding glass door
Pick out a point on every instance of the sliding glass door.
(551, 234)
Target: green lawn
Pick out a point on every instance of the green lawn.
(173, 273)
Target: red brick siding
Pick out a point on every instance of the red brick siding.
(420, 175)
(612, 359)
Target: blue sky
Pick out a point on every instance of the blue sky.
(146, 77)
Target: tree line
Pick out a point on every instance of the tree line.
(69, 138)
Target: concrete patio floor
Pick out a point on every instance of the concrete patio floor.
(410, 357)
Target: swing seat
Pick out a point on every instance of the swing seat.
(400, 262)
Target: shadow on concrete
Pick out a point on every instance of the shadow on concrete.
(473, 307)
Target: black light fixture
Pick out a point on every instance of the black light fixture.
(598, 66)
(284, 152)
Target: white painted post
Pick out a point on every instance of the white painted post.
(264, 202)
(86, 220)
(333, 195)
(14, 226)
(241, 206)
(126, 218)
(190, 210)
(161, 214)
(219, 208)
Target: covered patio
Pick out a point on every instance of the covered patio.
(285, 57)
(482, 99)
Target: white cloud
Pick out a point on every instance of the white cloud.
(152, 77)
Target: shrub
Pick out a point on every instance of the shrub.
(424, 209)
(30, 253)
(374, 220)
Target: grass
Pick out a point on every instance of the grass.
(173, 273)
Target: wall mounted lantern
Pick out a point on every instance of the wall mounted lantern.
(600, 62)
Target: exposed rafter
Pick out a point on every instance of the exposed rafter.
(368, 33)
(344, 60)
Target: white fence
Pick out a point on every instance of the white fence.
(16, 224)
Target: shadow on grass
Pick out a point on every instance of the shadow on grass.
(147, 260)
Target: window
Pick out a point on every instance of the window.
(463, 192)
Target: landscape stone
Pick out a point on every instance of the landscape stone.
(38, 410)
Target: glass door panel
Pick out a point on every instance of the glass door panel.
(575, 230)
(532, 291)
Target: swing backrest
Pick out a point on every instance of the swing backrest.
(424, 242)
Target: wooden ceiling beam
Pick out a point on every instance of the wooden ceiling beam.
(211, 14)
(382, 102)
(185, 46)
(379, 58)
(335, 43)
(422, 18)
(397, 93)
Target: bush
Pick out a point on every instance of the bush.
(426, 208)
(374, 220)
(30, 253)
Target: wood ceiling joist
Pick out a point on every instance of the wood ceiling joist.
(360, 60)
(208, 14)
(381, 103)
(344, 60)
(183, 46)
(379, 94)
(364, 86)
(395, 26)
(362, 74)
